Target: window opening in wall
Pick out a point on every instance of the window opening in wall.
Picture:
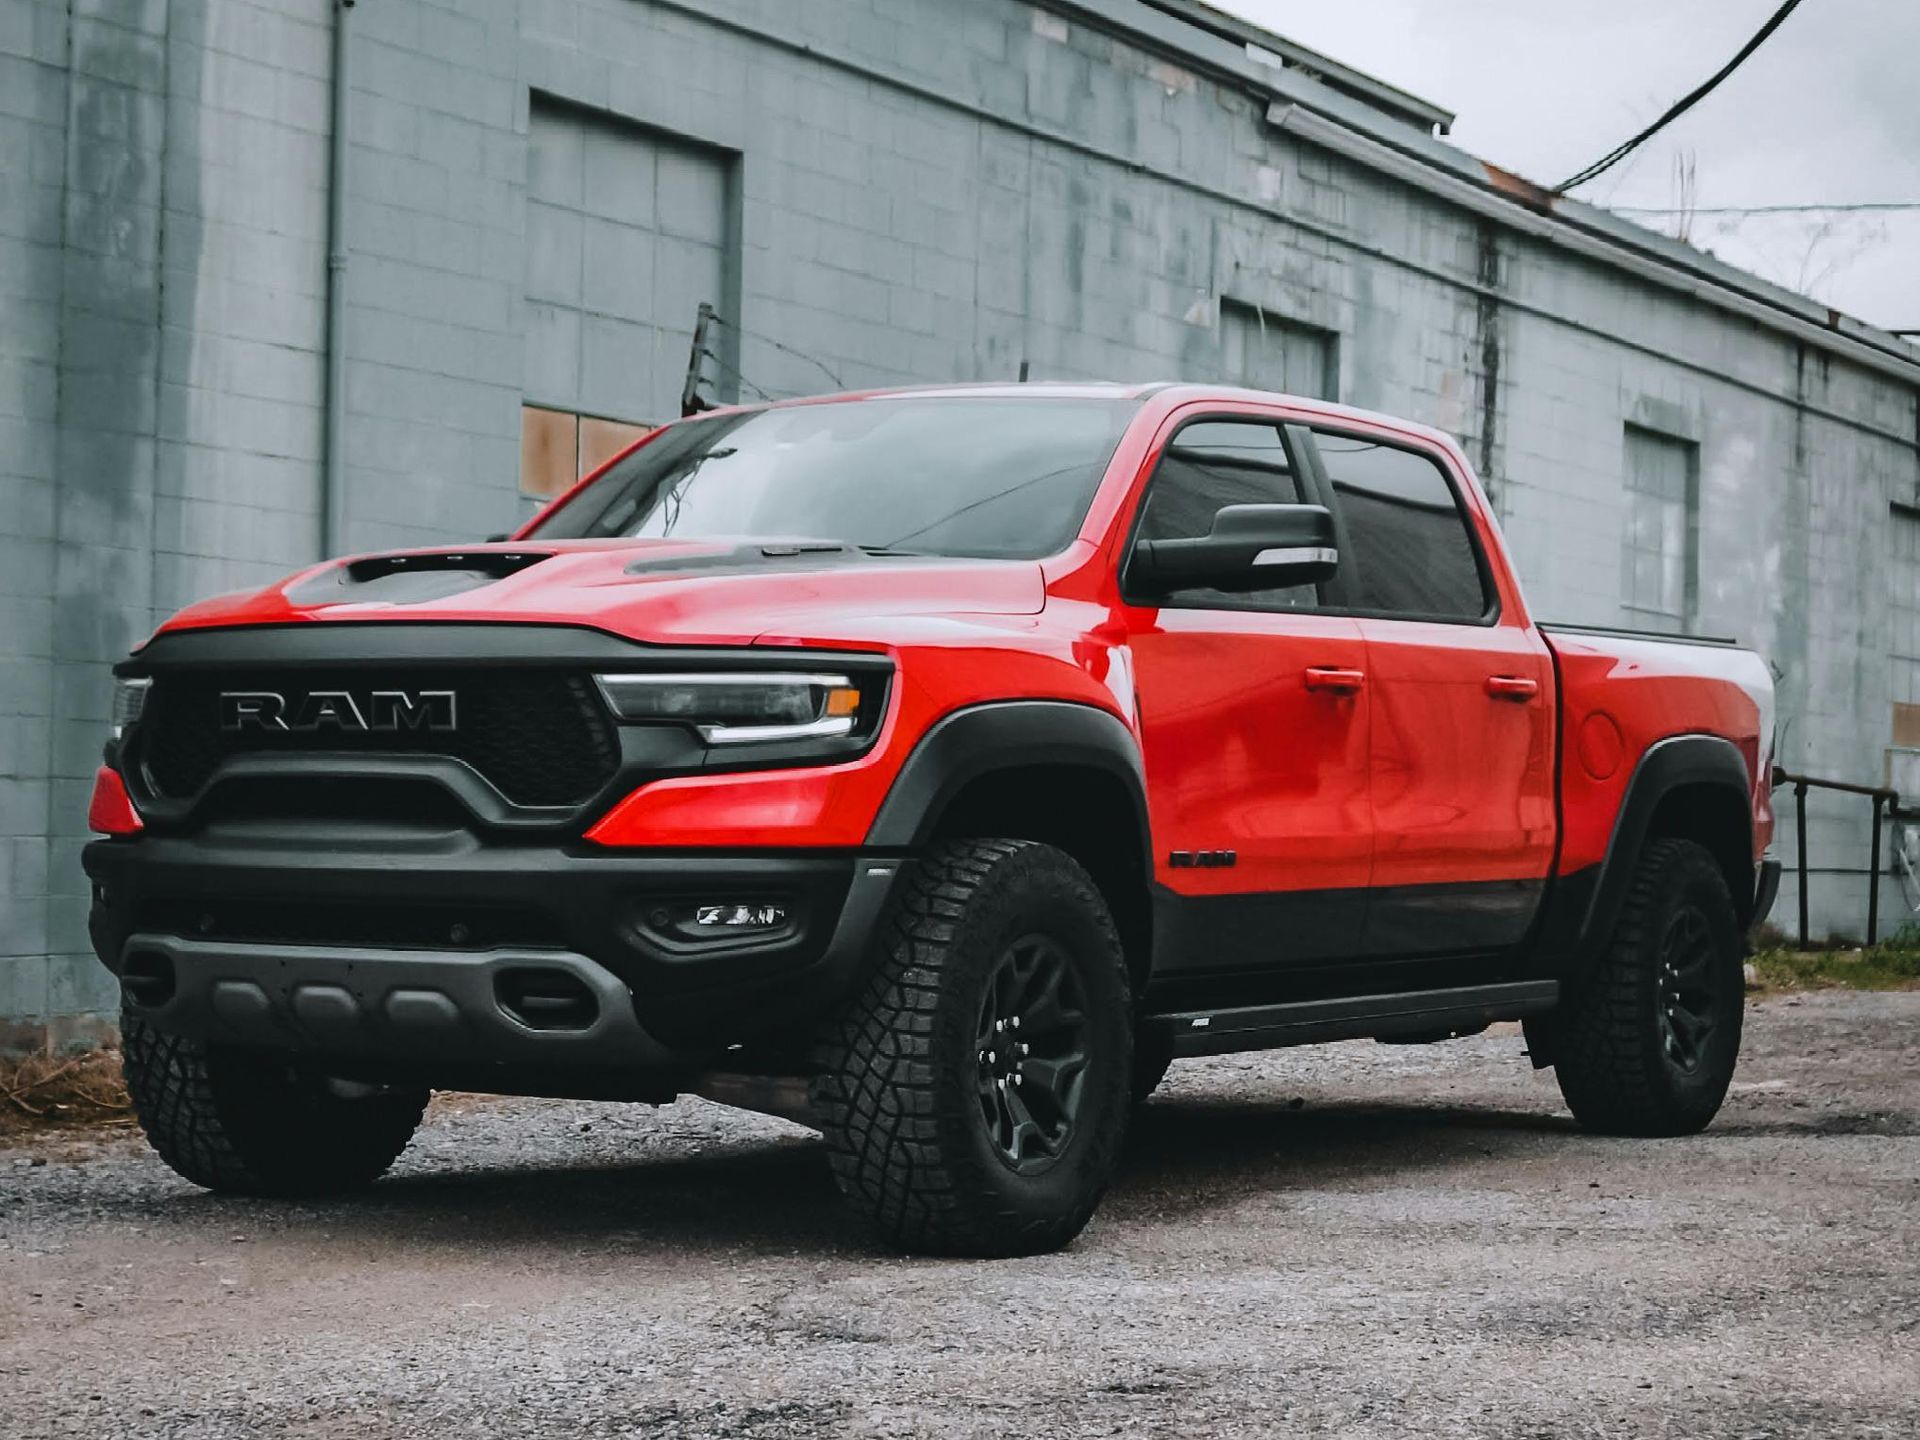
(1261, 350)
(1903, 613)
(1659, 548)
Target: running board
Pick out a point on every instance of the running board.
(1306, 1022)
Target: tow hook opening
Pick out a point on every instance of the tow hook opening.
(147, 979)
(545, 999)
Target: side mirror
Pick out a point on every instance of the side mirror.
(1251, 547)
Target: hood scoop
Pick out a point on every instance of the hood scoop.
(412, 578)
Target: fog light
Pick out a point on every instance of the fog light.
(739, 917)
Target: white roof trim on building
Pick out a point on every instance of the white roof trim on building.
(1330, 72)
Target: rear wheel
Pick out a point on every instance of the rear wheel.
(1648, 1045)
(248, 1124)
(975, 1095)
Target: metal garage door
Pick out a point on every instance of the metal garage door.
(627, 233)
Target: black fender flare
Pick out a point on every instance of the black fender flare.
(1006, 736)
(1664, 767)
(966, 744)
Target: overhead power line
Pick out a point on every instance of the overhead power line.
(798, 354)
(1846, 207)
(1680, 107)
(735, 372)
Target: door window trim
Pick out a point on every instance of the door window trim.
(1275, 421)
(1312, 477)
(1492, 602)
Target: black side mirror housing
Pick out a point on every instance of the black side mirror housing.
(1251, 547)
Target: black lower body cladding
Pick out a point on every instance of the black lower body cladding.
(480, 955)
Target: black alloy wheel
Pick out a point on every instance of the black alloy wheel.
(1686, 1014)
(1032, 1041)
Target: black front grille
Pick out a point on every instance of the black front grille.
(541, 737)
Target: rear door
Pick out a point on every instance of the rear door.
(1461, 742)
(1253, 716)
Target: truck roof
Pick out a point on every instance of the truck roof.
(1174, 390)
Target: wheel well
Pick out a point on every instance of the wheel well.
(1084, 811)
(1714, 817)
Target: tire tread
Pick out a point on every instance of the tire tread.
(223, 1123)
(889, 1116)
(1607, 1061)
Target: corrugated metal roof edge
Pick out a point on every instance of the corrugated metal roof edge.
(1451, 173)
(1403, 104)
(1487, 189)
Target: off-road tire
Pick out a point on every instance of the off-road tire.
(245, 1124)
(1612, 1052)
(899, 1084)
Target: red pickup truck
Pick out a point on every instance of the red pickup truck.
(939, 765)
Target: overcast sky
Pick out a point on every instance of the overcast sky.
(1827, 110)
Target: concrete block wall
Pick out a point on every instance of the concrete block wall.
(920, 190)
(162, 271)
(243, 320)
(436, 219)
(33, 139)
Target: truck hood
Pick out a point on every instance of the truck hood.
(667, 591)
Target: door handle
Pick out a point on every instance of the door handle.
(1334, 679)
(1512, 687)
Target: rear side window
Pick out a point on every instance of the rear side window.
(1413, 543)
(1211, 464)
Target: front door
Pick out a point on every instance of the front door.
(1462, 726)
(1253, 711)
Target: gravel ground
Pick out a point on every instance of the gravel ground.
(1351, 1240)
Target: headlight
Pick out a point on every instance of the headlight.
(129, 701)
(733, 709)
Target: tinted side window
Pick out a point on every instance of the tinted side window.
(1210, 464)
(1414, 550)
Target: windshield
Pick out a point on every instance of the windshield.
(987, 476)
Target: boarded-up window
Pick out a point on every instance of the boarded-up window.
(558, 447)
(601, 440)
(1659, 546)
(1260, 350)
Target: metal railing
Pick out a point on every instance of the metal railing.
(1886, 802)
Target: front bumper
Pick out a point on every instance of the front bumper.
(444, 952)
(423, 1005)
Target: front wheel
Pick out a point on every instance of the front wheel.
(976, 1093)
(249, 1124)
(1648, 1043)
